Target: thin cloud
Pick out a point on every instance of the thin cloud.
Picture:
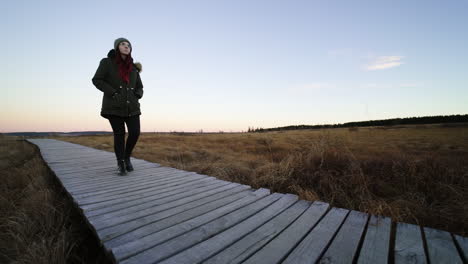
(385, 62)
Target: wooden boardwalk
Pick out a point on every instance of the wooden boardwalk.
(159, 214)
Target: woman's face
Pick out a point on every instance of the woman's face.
(124, 48)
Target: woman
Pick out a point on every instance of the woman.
(119, 80)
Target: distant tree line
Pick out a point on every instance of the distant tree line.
(383, 122)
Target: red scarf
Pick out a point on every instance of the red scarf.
(125, 66)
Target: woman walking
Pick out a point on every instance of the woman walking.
(119, 80)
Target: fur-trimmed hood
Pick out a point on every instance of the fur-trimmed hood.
(137, 65)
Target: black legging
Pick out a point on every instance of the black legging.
(123, 151)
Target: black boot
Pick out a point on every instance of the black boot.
(121, 164)
(128, 164)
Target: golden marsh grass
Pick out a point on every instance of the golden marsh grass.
(415, 174)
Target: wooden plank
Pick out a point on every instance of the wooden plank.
(112, 183)
(209, 247)
(75, 155)
(203, 232)
(463, 245)
(84, 166)
(158, 238)
(129, 231)
(312, 246)
(409, 244)
(153, 194)
(251, 242)
(105, 164)
(280, 246)
(68, 172)
(160, 192)
(108, 167)
(71, 159)
(110, 174)
(343, 248)
(75, 151)
(98, 160)
(143, 183)
(198, 191)
(441, 247)
(101, 176)
(55, 150)
(143, 216)
(118, 193)
(68, 156)
(101, 180)
(376, 246)
(141, 193)
(91, 188)
(95, 161)
(143, 189)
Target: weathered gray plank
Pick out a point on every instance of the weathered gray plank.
(280, 246)
(463, 244)
(94, 158)
(138, 189)
(344, 246)
(68, 156)
(441, 247)
(250, 202)
(95, 161)
(141, 193)
(135, 229)
(106, 168)
(242, 239)
(109, 168)
(201, 233)
(312, 246)
(67, 171)
(376, 246)
(108, 179)
(143, 184)
(70, 173)
(149, 215)
(98, 162)
(193, 192)
(160, 193)
(91, 188)
(103, 181)
(102, 176)
(409, 244)
(143, 190)
(243, 248)
(91, 157)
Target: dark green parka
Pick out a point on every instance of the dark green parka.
(107, 80)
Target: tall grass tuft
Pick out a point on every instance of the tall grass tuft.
(38, 223)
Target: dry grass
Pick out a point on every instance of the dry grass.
(414, 174)
(38, 224)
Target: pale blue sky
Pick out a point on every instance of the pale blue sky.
(228, 65)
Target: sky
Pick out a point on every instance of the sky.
(227, 65)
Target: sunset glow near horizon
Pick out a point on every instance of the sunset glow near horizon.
(230, 65)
